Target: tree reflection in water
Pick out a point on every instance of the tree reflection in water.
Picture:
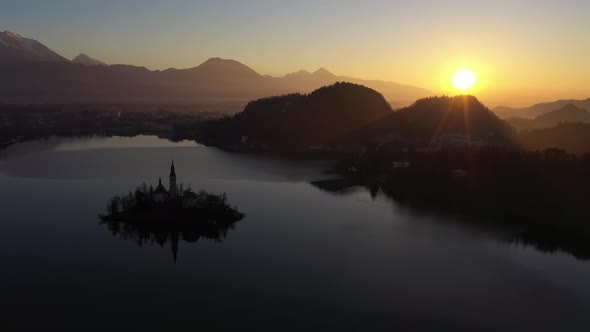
(546, 237)
(151, 233)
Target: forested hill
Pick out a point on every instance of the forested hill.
(437, 119)
(463, 115)
(298, 121)
(346, 114)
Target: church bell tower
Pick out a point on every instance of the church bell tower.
(173, 187)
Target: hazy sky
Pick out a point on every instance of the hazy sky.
(521, 50)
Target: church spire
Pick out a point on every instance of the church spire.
(173, 188)
(172, 172)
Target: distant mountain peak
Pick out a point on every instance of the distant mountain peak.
(567, 113)
(299, 73)
(215, 59)
(323, 72)
(10, 34)
(223, 67)
(219, 61)
(87, 61)
(15, 48)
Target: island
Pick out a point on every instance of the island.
(150, 215)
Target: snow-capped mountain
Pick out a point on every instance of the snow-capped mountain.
(15, 48)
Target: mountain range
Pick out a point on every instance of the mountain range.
(32, 73)
(538, 109)
(569, 113)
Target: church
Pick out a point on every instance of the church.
(161, 194)
(175, 192)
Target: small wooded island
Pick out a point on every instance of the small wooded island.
(159, 215)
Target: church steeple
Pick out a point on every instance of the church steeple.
(172, 172)
(173, 189)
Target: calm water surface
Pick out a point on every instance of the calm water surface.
(303, 259)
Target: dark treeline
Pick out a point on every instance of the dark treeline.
(573, 137)
(495, 182)
(20, 123)
(542, 193)
(185, 210)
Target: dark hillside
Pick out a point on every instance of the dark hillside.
(296, 121)
(572, 137)
(439, 119)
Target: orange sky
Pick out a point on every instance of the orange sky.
(522, 51)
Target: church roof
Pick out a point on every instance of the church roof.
(160, 189)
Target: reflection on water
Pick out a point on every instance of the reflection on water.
(55, 159)
(305, 259)
(147, 235)
(89, 143)
(547, 240)
(114, 142)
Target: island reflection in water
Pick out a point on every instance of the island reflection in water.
(147, 234)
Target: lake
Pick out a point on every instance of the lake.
(302, 259)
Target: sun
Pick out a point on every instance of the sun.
(464, 79)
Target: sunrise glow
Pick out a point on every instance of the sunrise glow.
(464, 79)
